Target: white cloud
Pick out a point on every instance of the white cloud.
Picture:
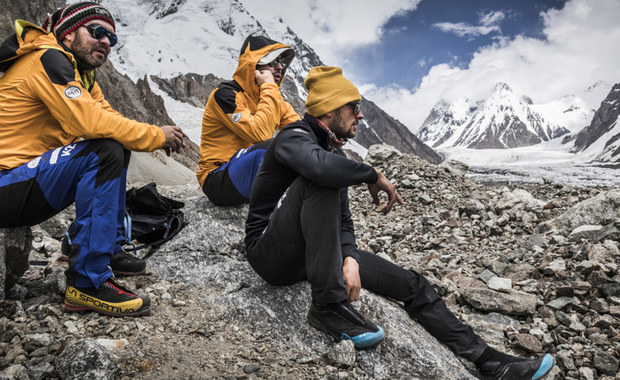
(492, 18)
(488, 24)
(580, 49)
(333, 27)
(463, 29)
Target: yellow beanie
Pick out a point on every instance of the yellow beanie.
(328, 90)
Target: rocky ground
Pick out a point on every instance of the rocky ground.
(534, 269)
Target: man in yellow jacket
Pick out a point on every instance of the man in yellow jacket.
(240, 118)
(61, 142)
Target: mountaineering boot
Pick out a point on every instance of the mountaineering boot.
(111, 299)
(529, 369)
(343, 322)
(126, 264)
(122, 263)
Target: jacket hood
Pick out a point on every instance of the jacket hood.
(29, 37)
(253, 50)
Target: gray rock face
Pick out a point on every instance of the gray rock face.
(15, 246)
(85, 359)
(602, 122)
(210, 253)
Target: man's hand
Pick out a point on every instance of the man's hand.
(351, 272)
(174, 138)
(383, 184)
(263, 76)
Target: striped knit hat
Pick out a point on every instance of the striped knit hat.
(71, 17)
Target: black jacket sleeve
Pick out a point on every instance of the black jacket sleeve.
(299, 150)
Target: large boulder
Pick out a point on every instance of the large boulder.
(602, 209)
(209, 252)
(15, 244)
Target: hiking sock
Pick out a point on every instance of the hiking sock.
(491, 354)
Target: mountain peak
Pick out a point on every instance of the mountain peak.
(503, 120)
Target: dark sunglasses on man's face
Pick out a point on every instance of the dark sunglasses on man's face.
(98, 32)
(275, 62)
(357, 107)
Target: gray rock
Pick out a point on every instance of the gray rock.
(606, 363)
(528, 343)
(593, 211)
(500, 284)
(611, 290)
(15, 372)
(86, 359)
(512, 303)
(584, 232)
(557, 265)
(380, 153)
(521, 272)
(586, 373)
(40, 371)
(516, 199)
(565, 361)
(472, 207)
(560, 303)
(486, 276)
(15, 246)
(342, 354)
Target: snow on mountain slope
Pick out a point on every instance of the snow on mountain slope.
(446, 122)
(503, 120)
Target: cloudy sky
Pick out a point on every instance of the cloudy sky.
(408, 55)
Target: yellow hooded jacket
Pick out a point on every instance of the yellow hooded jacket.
(45, 103)
(238, 113)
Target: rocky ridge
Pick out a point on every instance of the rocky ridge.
(604, 127)
(532, 269)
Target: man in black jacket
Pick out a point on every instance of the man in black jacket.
(299, 227)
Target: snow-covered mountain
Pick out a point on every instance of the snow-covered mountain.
(503, 120)
(602, 137)
(193, 42)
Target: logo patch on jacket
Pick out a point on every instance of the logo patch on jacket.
(73, 92)
(34, 163)
(235, 117)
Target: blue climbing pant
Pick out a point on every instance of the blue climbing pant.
(91, 173)
(231, 183)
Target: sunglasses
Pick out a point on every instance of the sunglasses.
(357, 107)
(98, 32)
(275, 62)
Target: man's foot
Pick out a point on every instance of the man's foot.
(125, 264)
(532, 369)
(343, 322)
(111, 299)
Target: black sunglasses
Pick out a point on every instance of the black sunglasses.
(98, 32)
(275, 62)
(357, 107)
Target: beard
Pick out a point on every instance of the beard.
(337, 126)
(83, 53)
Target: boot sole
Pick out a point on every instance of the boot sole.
(118, 273)
(83, 309)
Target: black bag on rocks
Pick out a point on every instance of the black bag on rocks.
(151, 219)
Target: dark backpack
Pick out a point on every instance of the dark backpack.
(151, 219)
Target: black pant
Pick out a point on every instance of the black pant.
(302, 242)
